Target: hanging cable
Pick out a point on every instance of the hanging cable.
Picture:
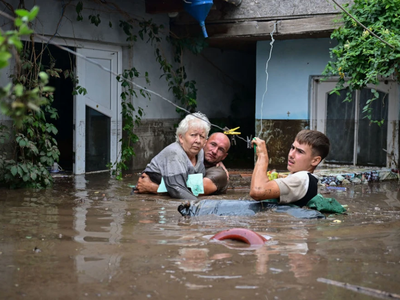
(267, 76)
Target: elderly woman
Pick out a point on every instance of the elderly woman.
(181, 158)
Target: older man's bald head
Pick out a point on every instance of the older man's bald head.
(216, 148)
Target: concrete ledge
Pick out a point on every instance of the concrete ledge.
(241, 179)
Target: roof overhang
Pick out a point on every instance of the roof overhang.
(242, 34)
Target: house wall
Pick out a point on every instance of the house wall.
(217, 73)
(286, 102)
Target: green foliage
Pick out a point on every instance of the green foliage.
(35, 148)
(131, 117)
(95, 19)
(79, 8)
(194, 45)
(128, 30)
(184, 90)
(15, 99)
(150, 29)
(359, 58)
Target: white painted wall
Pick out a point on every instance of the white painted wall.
(215, 89)
(291, 65)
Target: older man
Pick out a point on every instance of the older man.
(216, 179)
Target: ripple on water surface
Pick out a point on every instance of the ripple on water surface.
(96, 240)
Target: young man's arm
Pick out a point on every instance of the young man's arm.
(261, 188)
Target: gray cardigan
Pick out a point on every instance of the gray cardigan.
(174, 166)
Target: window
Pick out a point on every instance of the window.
(354, 141)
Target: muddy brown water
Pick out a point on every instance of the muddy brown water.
(88, 238)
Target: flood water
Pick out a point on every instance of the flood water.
(88, 238)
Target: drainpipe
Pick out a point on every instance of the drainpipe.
(234, 2)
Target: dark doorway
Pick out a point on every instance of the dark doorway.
(63, 99)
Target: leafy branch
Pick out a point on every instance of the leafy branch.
(131, 117)
(361, 56)
(15, 99)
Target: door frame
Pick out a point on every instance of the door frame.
(317, 111)
(81, 101)
(78, 44)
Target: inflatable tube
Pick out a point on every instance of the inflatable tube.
(240, 234)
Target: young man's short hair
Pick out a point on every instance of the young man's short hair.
(318, 141)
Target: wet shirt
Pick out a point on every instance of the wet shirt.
(297, 188)
(218, 176)
(174, 166)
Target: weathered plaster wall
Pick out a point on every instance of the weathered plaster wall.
(286, 101)
(291, 65)
(154, 136)
(141, 55)
(219, 75)
(279, 136)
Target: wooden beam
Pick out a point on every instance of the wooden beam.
(223, 30)
(308, 25)
(289, 27)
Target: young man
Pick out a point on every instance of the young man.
(216, 179)
(307, 151)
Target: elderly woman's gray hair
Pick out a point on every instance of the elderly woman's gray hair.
(195, 120)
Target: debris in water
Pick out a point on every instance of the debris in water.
(360, 289)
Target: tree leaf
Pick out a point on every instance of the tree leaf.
(14, 170)
(33, 13)
(21, 12)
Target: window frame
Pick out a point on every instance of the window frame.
(319, 89)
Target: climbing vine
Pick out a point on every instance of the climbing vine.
(15, 99)
(360, 58)
(28, 99)
(131, 117)
(183, 89)
(35, 149)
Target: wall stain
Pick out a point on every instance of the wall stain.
(154, 135)
(279, 136)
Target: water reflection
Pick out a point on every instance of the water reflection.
(96, 240)
(392, 199)
(194, 259)
(99, 226)
(294, 247)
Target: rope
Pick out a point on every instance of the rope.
(267, 77)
